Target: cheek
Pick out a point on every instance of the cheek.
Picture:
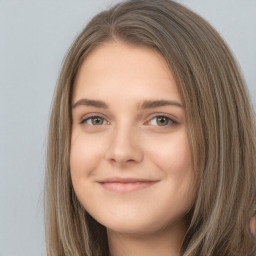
(85, 153)
(172, 154)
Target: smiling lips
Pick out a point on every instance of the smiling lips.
(122, 185)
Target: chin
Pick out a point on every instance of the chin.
(132, 225)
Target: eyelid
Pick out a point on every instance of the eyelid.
(152, 116)
(155, 115)
(91, 115)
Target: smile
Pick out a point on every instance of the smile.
(122, 187)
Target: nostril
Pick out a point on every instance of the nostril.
(122, 160)
(123, 151)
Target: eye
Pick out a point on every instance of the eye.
(161, 121)
(94, 121)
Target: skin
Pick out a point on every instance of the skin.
(253, 225)
(132, 139)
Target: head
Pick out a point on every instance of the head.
(220, 129)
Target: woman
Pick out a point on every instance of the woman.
(152, 140)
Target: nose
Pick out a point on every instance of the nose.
(124, 146)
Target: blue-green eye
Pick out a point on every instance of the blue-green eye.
(94, 120)
(161, 121)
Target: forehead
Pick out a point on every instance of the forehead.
(116, 67)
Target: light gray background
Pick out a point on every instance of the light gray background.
(34, 37)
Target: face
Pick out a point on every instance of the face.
(130, 160)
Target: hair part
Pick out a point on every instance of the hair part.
(220, 125)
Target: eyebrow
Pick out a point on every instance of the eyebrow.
(159, 103)
(145, 104)
(93, 103)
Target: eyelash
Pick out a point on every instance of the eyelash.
(171, 121)
(91, 118)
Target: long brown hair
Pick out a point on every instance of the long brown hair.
(221, 131)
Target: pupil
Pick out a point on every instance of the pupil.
(162, 120)
(97, 121)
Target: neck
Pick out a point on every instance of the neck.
(166, 242)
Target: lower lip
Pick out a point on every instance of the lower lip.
(126, 187)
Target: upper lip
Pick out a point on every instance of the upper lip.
(124, 180)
